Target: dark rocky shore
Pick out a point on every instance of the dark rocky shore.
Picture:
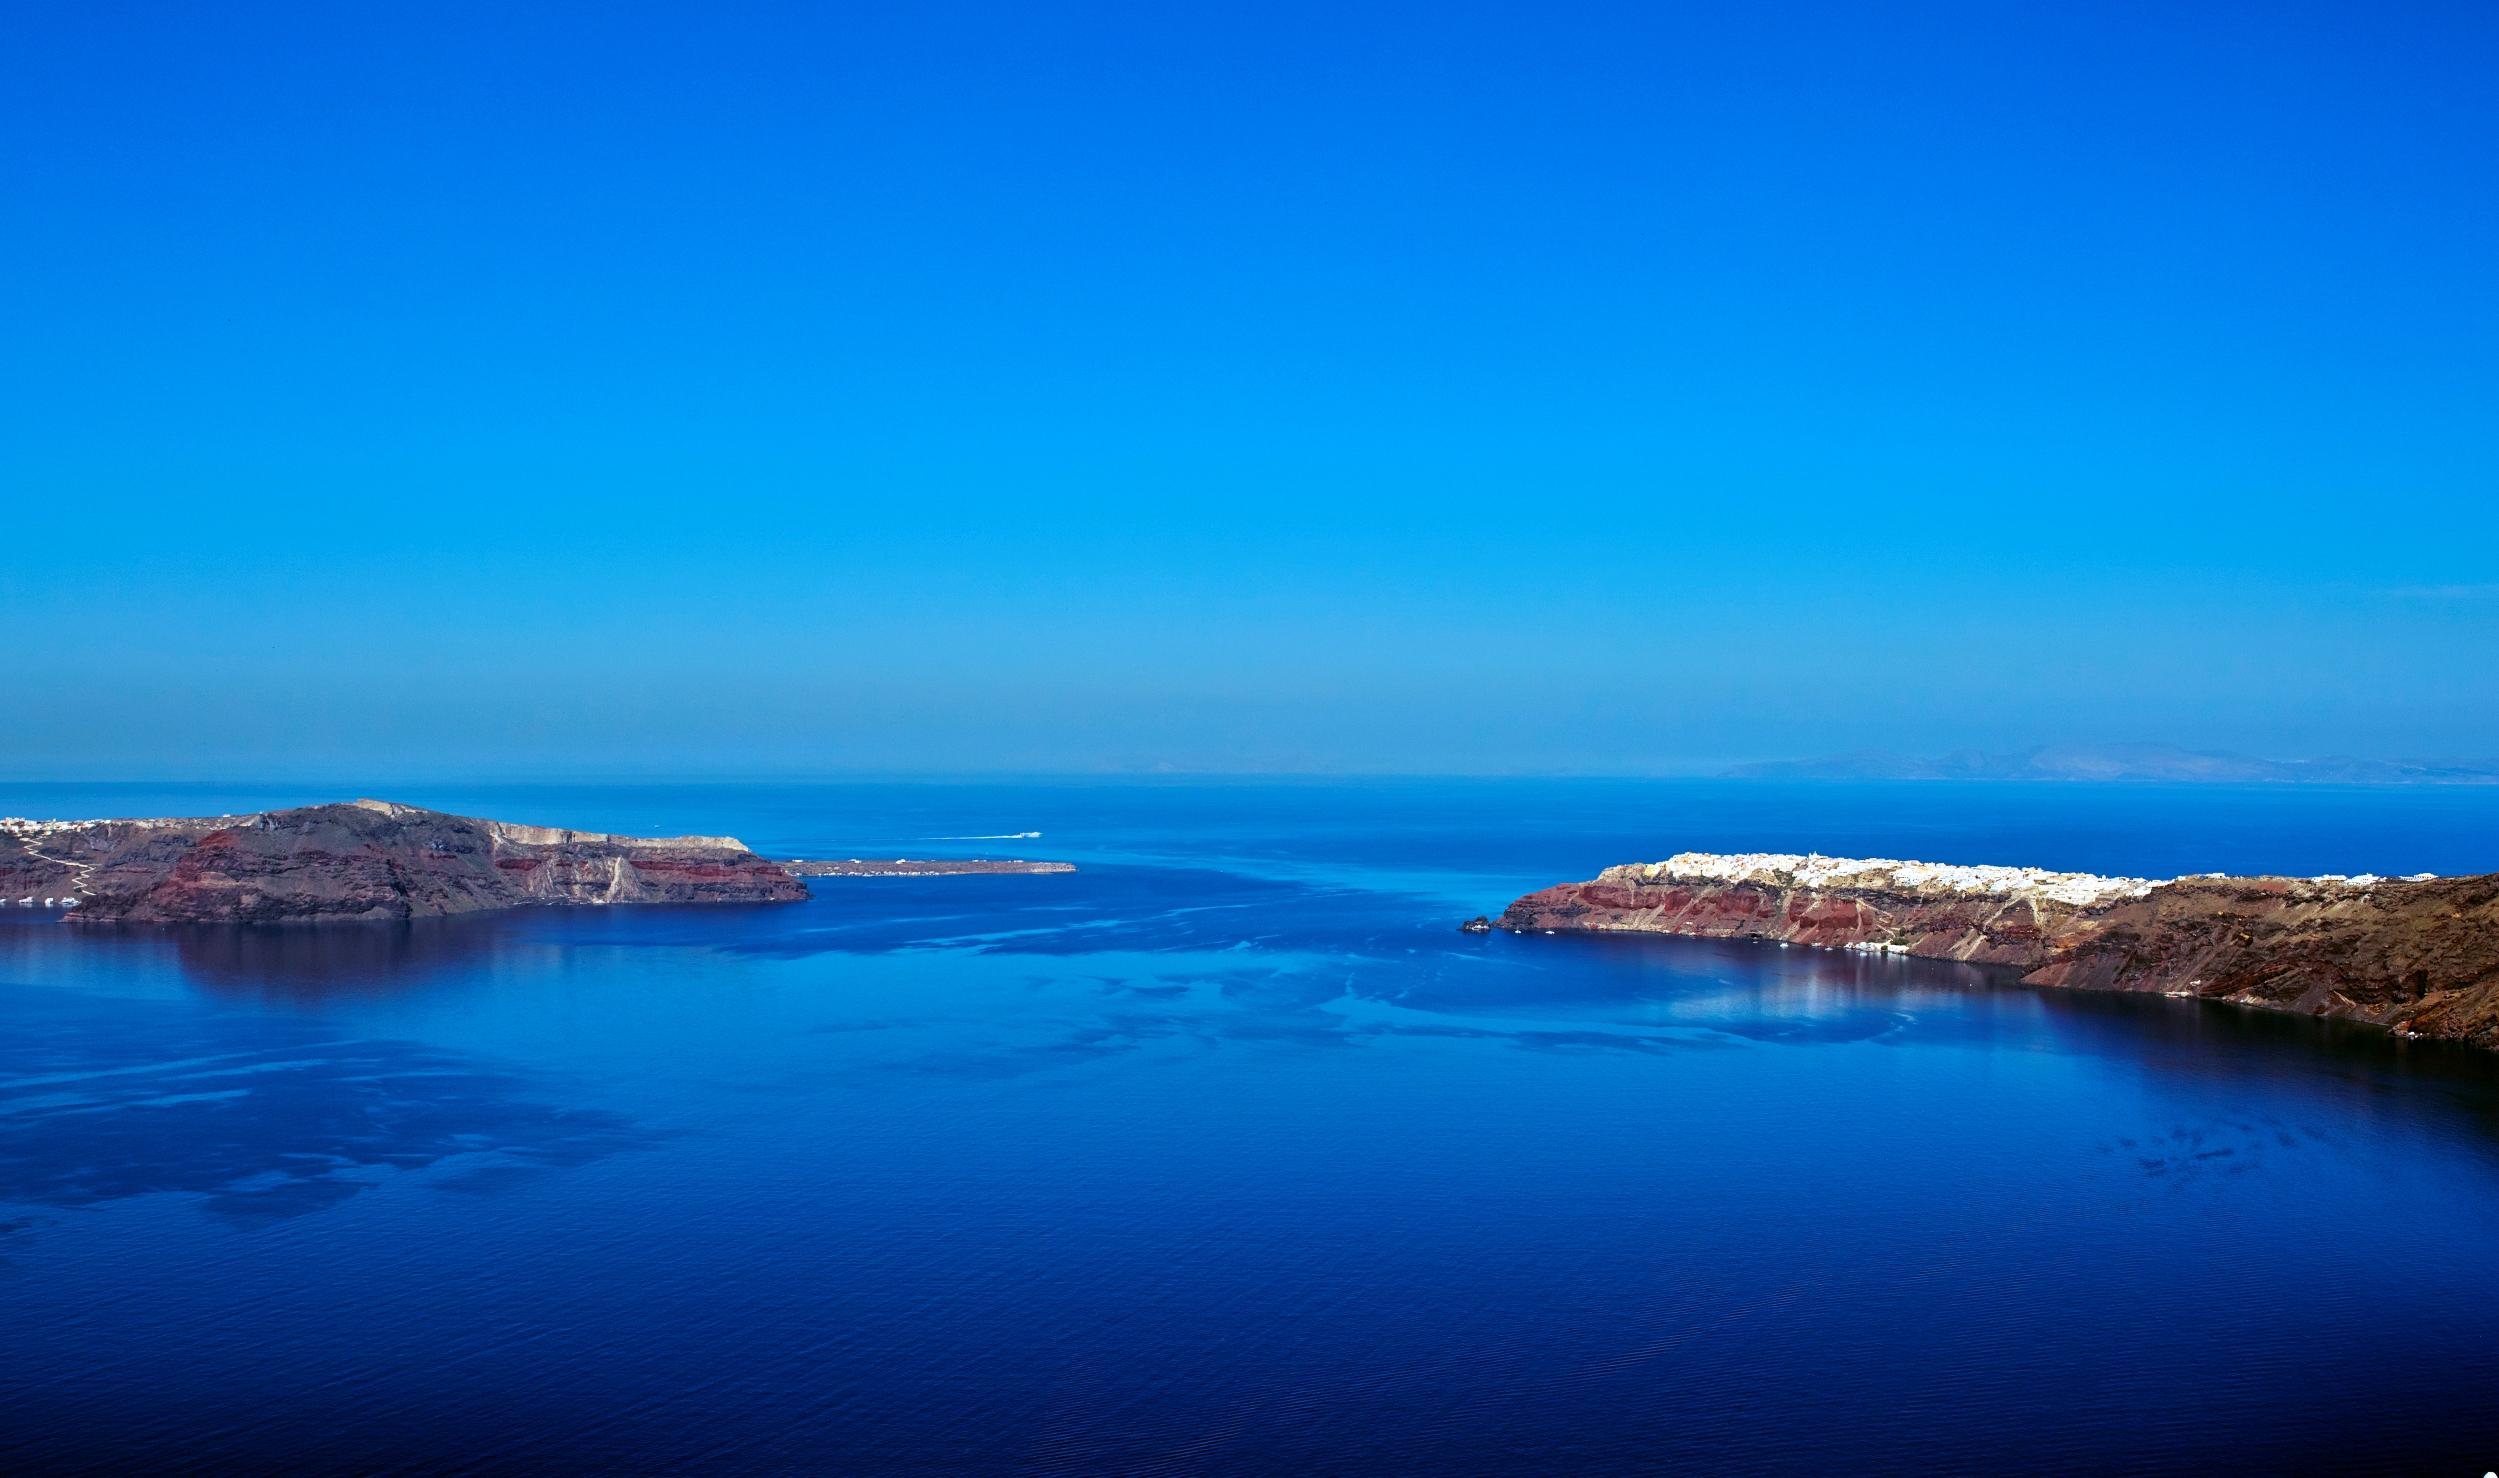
(2417, 955)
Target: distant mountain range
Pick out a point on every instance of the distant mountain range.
(2121, 762)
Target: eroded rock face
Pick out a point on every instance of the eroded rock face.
(2419, 955)
(362, 860)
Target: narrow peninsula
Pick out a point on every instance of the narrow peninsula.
(378, 860)
(2417, 955)
(922, 867)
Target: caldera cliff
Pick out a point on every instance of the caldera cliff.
(2419, 955)
(360, 860)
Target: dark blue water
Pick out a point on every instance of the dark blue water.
(1228, 1153)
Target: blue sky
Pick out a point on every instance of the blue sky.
(549, 390)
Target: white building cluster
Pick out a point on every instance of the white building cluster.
(1891, 874)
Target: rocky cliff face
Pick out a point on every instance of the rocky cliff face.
(2419, 955)
(361, 860)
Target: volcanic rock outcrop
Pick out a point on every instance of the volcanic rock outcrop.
(2419, 955)
(360, 860)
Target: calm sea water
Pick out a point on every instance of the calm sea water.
(1228, 1153)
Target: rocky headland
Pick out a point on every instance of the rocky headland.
(2418, 955)
(377, 860)
(360, 860)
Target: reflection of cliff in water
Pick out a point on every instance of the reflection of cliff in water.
(309, 964)
(305, 964)
(276, 964)
(1758, 990)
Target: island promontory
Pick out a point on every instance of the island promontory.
(378, 860)
(2419, 955)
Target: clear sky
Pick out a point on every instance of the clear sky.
(727, 389)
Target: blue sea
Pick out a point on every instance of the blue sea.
(1229, 1153)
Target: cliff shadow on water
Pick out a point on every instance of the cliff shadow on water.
(1760, 991)
(277, 964)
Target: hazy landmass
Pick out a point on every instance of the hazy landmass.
(2122, 762)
